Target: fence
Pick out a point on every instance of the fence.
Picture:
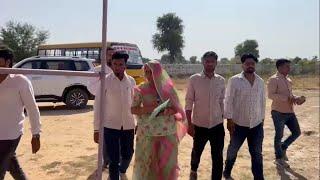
(232, 69)
(305, 76)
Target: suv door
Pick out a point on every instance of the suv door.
(55, 85)
(35, 79)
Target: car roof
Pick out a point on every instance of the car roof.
(60, 58)
(55, 58)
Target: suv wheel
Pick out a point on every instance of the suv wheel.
(76, 98)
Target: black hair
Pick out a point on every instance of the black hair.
(120, 55)
(244, 57)
(281, 62)
(210, 54)
(7, 54)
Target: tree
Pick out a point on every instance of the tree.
(224, 61)
(248, 46)
(315, 58)
(266, 61)
(193, 59)
(180, 59)
(23, 39)
(165, 59)
(296, 60)
(145, 60)
(235, 60)
(169, 36)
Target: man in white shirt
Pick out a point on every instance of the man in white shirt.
(94, 85)
(94, 82)
(16, 93)
(118, 120)
(245, 112)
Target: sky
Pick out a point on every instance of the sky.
(286, 28)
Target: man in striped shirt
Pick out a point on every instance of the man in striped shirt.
(245, 111)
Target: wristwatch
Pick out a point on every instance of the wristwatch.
(36, 136)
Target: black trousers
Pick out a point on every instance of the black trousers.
(9, 161)
(119, 143)
(215, 136)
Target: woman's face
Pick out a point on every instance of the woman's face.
(148, 74)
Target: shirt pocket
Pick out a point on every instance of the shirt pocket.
(113, 94)
(218, 95)
(10, 96)
(218, 92)
(245, 91)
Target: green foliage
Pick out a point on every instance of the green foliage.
(296, 60)
(179, 59)
(248, 46)
(266, 61)
(193, 59)
(145, 60)
(224, 61)
(23, 39)
(169, 36)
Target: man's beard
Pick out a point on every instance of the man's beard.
(119, 75)
(250, 70)
(209, 70)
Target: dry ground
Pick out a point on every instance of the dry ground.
(68, 150)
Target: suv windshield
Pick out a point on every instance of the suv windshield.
(81, 66)
(59, 65)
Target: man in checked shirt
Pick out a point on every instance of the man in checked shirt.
(245, 111)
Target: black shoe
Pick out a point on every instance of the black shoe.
(193, 175)
(227, 176)
(106, 166)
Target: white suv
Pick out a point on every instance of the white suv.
(72, 90)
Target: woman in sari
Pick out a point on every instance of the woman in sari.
(156, 153)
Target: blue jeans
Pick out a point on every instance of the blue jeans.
(254, 138)
(118, 142)
(279, 121)
(9, 161)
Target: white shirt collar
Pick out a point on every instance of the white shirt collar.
(125, 77)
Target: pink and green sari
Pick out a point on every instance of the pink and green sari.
(156, 152)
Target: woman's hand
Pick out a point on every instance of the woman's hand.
(168, 112)
(191, 129)
(143, 110)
